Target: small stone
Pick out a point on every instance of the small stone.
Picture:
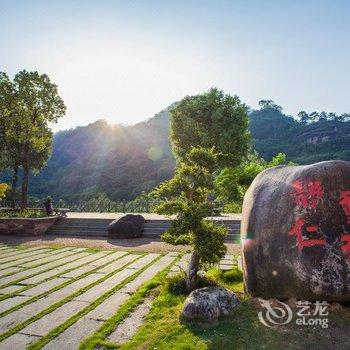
(209, 303)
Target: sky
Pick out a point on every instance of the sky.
(124, 61)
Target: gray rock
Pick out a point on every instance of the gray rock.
(295, 232)
(128, 226)
(209, 303)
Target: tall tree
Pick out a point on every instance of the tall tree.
(212, 119)
(208, 132)
(31, 101)
(265, 104)
(303, 117)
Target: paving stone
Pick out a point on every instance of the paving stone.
(96, 291)
(9, 270)
(10, 289)
(11, 302)
(18, 258)
(143, 261)
(36, 270)
(93, 265)
(78, 249)
(181, 265)
(52, 320)
(148, 274)
(108, 258)
(128, 328)
(71, 337)
(61, 269)
(88, 324)
(26, 312)
(110, 306)
(12, 253)
(47, 259)
(18, 342)
(43, 287)
(25, 260)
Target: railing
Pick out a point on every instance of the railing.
(140, 205)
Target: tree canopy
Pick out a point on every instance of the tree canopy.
(27, 105)
(212, 119)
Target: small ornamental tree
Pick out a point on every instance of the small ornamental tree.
(186, 196)
(208, 133)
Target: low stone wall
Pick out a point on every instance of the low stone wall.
(28, 227)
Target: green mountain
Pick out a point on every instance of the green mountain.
(123, 161)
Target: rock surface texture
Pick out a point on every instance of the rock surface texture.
(295, 232)
(209, 303)
(128, 226)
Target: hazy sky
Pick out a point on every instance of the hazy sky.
(124, 61)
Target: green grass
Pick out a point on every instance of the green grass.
(152, 286)
(55, 332)
(163, 329)
(56, 305)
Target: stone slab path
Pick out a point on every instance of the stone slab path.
(55, 285)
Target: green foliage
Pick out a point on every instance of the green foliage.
(208, 132)
(27, 105)
(232, 183)
(3, 189)
(27, 213)
(185, 195)
(212, 119)
(176, 284)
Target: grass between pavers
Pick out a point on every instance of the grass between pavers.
(64, 284)
(163, 329)
(58, 330)
(98, 338)
(53, 252)
(40, 272)
(59, 303)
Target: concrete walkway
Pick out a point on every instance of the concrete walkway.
(67, 283)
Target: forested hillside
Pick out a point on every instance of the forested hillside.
(123, 161)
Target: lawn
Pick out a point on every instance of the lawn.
(163, 329)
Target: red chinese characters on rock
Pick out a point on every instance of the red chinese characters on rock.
(345, 204)
(307, 195)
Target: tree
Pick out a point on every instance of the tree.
(186, 196)
(29, 103)
(313, 117)
(207, 120)
(208, 132)
(265, 104)
(232, 183)
(303, 117)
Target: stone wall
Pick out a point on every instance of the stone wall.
(28, 227)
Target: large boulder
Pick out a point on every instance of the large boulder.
(128, 226)
(209, 303)
(296, 232)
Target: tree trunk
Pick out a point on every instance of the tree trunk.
(14, 186)
(191, 278)
(25, 178)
